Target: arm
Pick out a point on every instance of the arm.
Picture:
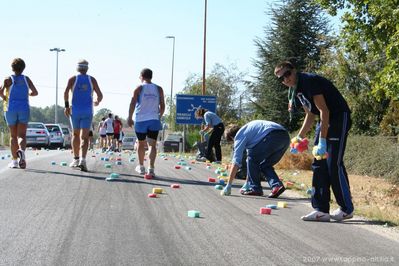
(324, 114)
(232, 175)
(97, 91)
(33, 91)
(307, 123)
(161, 102)
(6, 84)
(132, 105)
(67, 110)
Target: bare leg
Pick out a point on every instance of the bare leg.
(84, 141)
(152, 152)
(76, 142)
(141, 151)
(21, 133)
(13, 141)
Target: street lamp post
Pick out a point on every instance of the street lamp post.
(173, 65)
(204, 58)
(57, 50)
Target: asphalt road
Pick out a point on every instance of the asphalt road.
(54, 215)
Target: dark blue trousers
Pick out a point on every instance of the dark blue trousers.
(264, 156)
(331, 172)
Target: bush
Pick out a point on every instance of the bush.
(373, 156)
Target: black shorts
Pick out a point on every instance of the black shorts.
(110, 134)
(117, 135)
(103, 136)
(150, 134)
(91, 133)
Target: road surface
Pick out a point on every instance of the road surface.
(55, 215)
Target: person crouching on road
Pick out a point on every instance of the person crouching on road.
(265, 142)
(15, 93)
(212, 121)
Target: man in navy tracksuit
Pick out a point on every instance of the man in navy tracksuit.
(319, 97)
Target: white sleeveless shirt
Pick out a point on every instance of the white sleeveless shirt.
(147, 105)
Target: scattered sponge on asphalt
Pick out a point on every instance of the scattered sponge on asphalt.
(157, 190)
(265, 210)
(193, 214)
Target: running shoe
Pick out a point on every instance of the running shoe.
(82, 165)
(316, 216)
(151, 172)
(13, 164)
(276, 191)
(140, 169)
(252, 193)
(74, 163)
(245, 187)
(22, 161)
(340, 215)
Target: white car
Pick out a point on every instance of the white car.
(56, 135)
(128, 143)
(37, 135)
(67, 136)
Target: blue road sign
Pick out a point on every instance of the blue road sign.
(186, 105)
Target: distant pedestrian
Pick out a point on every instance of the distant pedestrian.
(117, 133)
(102, 131)
(80, 111)
(265, 143)
(147, 106)
(319, 97)
(109, 131)
(214, 122)
(15, 92)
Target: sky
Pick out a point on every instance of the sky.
(119, 38)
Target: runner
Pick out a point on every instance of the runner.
(117, 133)
(102, 131)
(81, 111)
(148, 106)
(15, 93)
(109, 129)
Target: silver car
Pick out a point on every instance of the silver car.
(37, 135)
(128, 143)
(67, 136)
(56, 135)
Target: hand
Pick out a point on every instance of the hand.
(298, 145)
(201, 132)
(320, 151)
(226, 191)
(67, 111)
(130, 122)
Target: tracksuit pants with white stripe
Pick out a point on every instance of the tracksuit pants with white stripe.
(331, 171)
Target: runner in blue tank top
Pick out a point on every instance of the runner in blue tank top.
(148, 106)
(81, 111)
(15, 93)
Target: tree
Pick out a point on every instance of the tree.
(223, 82)
(371, 29)
(299, 31)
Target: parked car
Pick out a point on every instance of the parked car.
(128, 143)
(67, 136)
(56, 135)
(172, 142)
(37, 135)
(136, 145)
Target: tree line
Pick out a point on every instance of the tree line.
(361, 60)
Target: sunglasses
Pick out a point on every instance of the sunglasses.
(285, 75)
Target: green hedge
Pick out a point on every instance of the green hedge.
(373, 156)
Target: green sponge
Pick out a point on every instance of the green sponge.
(193, 214)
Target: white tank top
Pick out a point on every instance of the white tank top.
(147, 105)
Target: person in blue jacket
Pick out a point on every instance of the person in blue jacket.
(215, 122)
(15, 92)
(265, 143)
(320, 98)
